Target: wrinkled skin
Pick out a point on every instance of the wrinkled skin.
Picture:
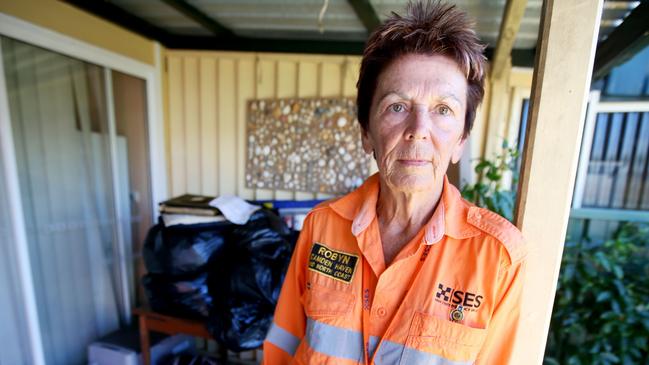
(416, 122)
(415, 130)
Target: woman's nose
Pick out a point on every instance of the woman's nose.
(418, 125)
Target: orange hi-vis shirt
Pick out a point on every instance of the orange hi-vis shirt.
(450, 297)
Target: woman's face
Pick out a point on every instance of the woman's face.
(416, 121)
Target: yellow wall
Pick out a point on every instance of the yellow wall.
(208, 94)
(66, 19)
(501, 110)
(499, 117)
(205, 95)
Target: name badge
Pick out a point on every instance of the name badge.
(337, 265)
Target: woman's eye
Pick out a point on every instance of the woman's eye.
(397, 108)
(444, 110)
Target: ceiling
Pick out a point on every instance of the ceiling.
(296, 26)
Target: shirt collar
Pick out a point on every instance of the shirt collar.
(449, 218)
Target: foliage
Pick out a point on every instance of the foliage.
(488, 192)
(601, 308)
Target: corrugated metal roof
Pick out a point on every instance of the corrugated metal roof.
(162, 15)
(284, 19)
(487, 15)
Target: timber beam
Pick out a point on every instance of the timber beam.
(624, 42)
(509, 26)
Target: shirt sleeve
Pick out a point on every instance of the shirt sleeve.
(502, 329)
(289, 322)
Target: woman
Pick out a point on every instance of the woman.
(403, 270)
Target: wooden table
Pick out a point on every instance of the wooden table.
(152, 321)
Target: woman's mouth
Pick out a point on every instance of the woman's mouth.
(414, 162)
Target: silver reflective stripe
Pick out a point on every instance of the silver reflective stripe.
(371, 346)
(334, 341)
(390, 353)
(282, 339)
(412, 356)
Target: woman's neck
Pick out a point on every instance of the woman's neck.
(401, 215)
(400, 209)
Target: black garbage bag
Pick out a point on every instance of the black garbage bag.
(246, 287)
(263, 256)
(240, 326)
(190, 359)
(187, 297)
(183, 249)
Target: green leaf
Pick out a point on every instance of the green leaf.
(603, 260)
(483, 164)
(610, 357)
(617, 270)
(493, 175)
(616, 307)
(603, 296)
(550, 361)
(619, 285)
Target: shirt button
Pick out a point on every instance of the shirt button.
(381, 312)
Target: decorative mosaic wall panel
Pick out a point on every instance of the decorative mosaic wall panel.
(311, 145)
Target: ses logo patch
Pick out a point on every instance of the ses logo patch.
(450, 296)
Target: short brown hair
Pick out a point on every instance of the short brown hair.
(430, 28)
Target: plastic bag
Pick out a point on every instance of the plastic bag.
(242, 265)
(247, 286)
(183, 249)
(240, 326)
(188, 298)
(263, 256)
(190, 359)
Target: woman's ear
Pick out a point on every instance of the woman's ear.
(458, 150)
(366, 140)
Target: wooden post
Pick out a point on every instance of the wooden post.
(512, 17)
(564, 64)
(499, 73)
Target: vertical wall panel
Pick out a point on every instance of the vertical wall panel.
(227, 128)
(285, 87)
(595, 171)
(307, 87)
(627, 145)
(192, 126)
(331, 85)
(208, 100)
(349, 77)
(610, 160)
(644, 157)
(265, 90)
(637, 166)
(176, 129)
(245, 92)
(330, 80)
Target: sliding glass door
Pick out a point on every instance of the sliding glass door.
(81, 150)
(13, 328)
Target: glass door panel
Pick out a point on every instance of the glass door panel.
(59, 111)
(13, 326)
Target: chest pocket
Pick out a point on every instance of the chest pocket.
(324, 301)
(432, 340)
(327, 340)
